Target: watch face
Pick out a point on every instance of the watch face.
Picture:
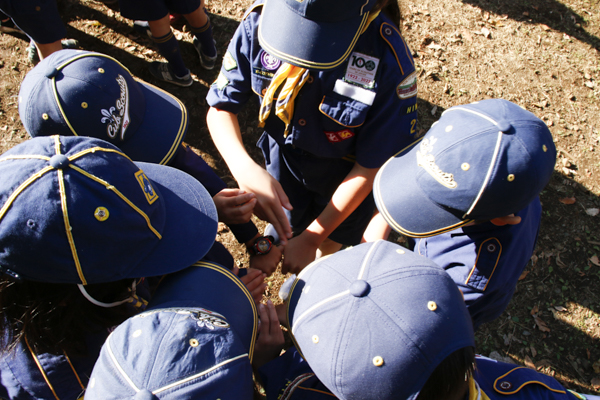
(263, 245)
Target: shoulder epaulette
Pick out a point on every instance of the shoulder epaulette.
(390, 34)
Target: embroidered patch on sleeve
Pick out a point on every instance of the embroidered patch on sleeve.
(221, 81)
(361, 70)
(229, 62)
(146, 186)
(408, 87)
(338, 136)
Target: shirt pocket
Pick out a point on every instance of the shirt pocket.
(338, 110)
(488, 256)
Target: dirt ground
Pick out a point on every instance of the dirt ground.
(541, 54)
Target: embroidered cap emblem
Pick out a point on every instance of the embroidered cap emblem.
(146, 186)
(117, 117)
(269, 62)
(427, 161)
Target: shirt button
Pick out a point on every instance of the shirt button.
(264, 91)
(301, 122)
(311, 79)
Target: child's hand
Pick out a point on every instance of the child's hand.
(270, 339)
(234, 206)
(267, 263)
(298, 253)
(255, 283)
(271, 199)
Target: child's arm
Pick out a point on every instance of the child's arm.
(377, 229)
(225, 131)
(301, 250)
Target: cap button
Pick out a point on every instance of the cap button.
(51, 72)
(359, 288)
(59, 161)
(504, 126)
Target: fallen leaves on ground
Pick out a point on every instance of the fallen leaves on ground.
(567, 200)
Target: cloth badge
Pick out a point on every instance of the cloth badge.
(362, 69)
(338, 136)
(146, 186)
(229, 62)
(221, 81)
(269, 62)
(408, 87)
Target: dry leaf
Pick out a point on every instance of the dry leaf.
(595, 383)
(567, 200)
(433, 110)
(542, 363)
(533, 351)
(534, 310)
(525, 14)
(559, 261)
(595, 261)
(485, 32)
(561, 308)
(545, 27)
(541, 324)
(529, 363)
(523, 275)
(434, 46)
(592, 212)
(596, 367)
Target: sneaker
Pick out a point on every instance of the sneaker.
(162, 71)
(142, 28)
(33, 56)
(205, 61)
(9, 26)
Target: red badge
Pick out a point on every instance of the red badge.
(338, 136)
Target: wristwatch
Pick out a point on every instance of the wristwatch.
(262, 245)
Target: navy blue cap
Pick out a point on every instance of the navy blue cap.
(480, 161)
(195, 341)
(375, 320)
(78, 210)
(316, 34)
(81, 93)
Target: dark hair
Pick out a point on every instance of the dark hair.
(448, 379)
(391, 8)
(55, 317)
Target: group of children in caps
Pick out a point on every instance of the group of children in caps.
(113, 286)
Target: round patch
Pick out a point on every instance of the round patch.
(101, 214)
(269, 62)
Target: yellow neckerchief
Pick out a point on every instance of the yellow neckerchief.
(294, 78)
(475, 392)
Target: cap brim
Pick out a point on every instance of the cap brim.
(402, 203)
(163, 128)
(304, 43)
(190, 227)
(212, 287)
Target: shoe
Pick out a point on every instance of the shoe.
(33, 56)
(9, 26)
(142, 28)
(162, 71)
(205, 61)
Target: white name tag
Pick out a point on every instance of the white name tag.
(354, 92)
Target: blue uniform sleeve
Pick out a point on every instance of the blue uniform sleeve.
(233, 87)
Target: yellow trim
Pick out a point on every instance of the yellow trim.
(163, 39)
(73, 368)
(25, 157)
(409, 56)
(39, 365)
(22, 187)
(524, 384)
(68, 228)
(95, 149)
(122, 196)
(477, 259)
(309, 64)
(251, 9)
(239, 283)
(182, 126)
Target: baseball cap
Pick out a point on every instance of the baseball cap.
(82, 93)
(78, 210)
(195, 341)
(480, 161)
(318, 34)
(375, 320)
